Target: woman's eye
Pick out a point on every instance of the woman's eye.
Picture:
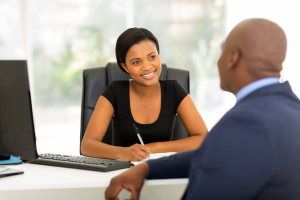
(135, 62)
(152, 57)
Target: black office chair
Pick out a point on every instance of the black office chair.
(95, 81)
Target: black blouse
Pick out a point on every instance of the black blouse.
(117, 93)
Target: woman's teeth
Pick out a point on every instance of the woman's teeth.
(147, 75)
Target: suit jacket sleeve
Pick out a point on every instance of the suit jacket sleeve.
(175, 166)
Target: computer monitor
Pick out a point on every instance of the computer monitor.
(17, 135)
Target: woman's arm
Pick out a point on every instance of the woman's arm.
(193, 123)
(91, 143)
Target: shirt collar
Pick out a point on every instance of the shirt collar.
(255, 86)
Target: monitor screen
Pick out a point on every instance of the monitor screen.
(17, 135)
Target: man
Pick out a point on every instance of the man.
(253, 151)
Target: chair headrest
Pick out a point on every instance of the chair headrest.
(113, 72)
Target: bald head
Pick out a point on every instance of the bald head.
(253, 50)
(262, 45)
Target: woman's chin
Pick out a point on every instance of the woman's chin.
(149, 82)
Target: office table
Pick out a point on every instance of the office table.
(48, 182)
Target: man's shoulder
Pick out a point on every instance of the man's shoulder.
(280, 91)
(274, 98)
(269, 112)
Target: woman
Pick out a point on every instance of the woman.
(145, 101)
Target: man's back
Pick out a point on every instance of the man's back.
(253, 152)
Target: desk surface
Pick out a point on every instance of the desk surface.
(41, 177)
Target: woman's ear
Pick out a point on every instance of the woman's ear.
(124, 67)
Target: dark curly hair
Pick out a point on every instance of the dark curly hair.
(130, 37)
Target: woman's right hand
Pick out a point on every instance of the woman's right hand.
(135, 152)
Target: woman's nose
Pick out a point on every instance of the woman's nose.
(147, 66)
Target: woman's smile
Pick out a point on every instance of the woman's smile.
(149, 75)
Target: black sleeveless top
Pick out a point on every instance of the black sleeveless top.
(117, 93)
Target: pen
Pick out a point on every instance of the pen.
(138, 134)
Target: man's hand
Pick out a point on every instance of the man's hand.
(135, 152)
(132, 180)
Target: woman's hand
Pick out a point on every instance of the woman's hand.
(152, 147)
(135, 152)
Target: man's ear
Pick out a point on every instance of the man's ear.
(234, 57)
(124, 67)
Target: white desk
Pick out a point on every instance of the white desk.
(47, 182)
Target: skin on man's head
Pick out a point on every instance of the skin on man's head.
(253, 50)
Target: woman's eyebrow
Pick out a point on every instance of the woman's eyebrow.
(150, 53)
(133, 59)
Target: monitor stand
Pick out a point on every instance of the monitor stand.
(9, 160)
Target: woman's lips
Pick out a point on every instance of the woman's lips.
(149, 75)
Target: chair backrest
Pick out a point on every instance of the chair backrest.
(95, 81)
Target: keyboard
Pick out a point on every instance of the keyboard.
(81, 162)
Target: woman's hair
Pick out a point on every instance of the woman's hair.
(130, 37)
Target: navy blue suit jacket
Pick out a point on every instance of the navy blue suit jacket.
(253, 152)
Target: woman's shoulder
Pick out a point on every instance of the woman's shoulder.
(168, 88)
(172, 87)
(116, 91)
(117, 87)
(169, 84)
(118, 84)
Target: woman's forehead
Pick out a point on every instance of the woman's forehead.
(143, 48)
